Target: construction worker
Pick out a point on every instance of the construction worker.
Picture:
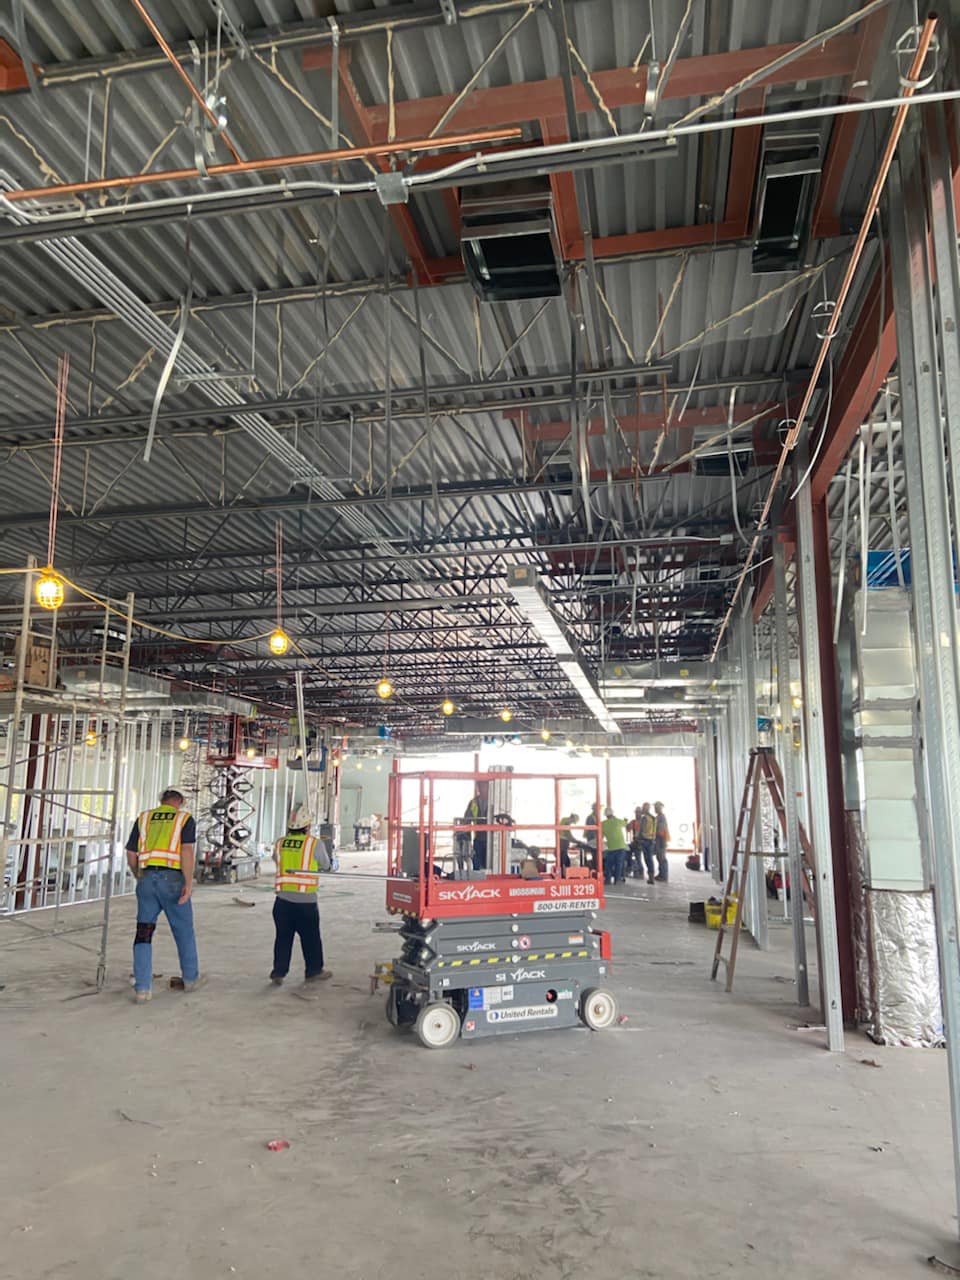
(161, 853)
(648, 833)
(662, 839)
(472, 815)
(614, 848)
(566, 837)
(300, 858)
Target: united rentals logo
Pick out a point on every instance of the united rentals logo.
(469, 893)
(477, 946)
(527, 975)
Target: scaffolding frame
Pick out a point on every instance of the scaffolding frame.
(64, 776)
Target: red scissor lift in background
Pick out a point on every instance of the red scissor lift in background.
(507, 947)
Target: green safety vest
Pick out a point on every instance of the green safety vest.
(297, 868)
(159, 832)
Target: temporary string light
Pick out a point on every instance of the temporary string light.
(48, 588)
(184, 744)
(251, 753)
(279, 641)
(90, 737)
(447, 707)
(384, 685)
(545, 734)
(506, 715)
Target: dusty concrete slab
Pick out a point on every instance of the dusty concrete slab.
(705, 1137)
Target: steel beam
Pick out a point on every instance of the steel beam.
(619, 87)
(932, 541)
(814, 737)
(797, 872)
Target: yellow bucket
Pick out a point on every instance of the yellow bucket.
(712, 911)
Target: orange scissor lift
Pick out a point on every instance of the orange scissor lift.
(498, 934)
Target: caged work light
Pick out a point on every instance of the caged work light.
(447, 707)
(384, 689)
(506, 715)
(279, 642)
(184, 744)
(48, 589)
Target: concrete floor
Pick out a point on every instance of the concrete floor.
(705, 1137)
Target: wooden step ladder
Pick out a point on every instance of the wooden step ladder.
(762, 769)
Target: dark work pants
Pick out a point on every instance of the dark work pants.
(294, 919)
(647, 848)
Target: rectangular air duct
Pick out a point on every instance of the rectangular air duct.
(789, 175)
(509, 242)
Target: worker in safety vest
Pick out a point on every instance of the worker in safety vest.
(300, 857)
(647, 829)
(161, 853)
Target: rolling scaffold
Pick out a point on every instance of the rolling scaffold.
(502, 947)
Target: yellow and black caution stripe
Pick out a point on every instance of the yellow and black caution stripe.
(523, 957)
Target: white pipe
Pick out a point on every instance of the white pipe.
(484, 162)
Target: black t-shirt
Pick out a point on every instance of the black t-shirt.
(187, 836)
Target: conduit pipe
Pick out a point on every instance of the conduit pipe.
(482, 166)
(896, 129)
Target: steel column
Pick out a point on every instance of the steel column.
(814, 737)
(931, 546)
(797, 875)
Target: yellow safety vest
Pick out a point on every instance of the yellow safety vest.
(159, 833)
(648, 826)
(297, 869)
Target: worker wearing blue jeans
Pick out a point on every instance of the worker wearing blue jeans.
(161, 854)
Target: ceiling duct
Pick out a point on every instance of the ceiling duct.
(509, 242)
(789, 174)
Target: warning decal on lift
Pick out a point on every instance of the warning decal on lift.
(522, 1013)
(475, 998)
(570, 904)
(523, 943)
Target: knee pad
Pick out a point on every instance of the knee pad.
(144, 933)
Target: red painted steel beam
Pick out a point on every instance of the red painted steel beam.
(619, 87)
(565, 207)
(12, 73)
(744, 154)
(843, 134)
(632, 423)
(400, 215)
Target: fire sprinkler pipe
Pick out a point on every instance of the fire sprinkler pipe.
(896, 129)
(175, 63)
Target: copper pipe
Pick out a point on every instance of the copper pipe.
(899, 119)
(270, 162)
(176, 64)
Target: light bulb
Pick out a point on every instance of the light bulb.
(279, 642)
(251, 753)
(384, 689)
(447, 707)
(48, 589)
(184, 744)
(545, 734)
(797, 703)
(90, 737)
(506, 715)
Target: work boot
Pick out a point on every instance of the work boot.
(322, 976)
(199, 981)
(649, 879)
(276, 979)
(141, 997)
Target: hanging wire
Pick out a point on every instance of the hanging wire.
(279, 570)
(63, 377)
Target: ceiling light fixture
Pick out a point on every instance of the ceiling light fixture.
(447, 707)
(48, 589)
(506, 715)
(384, 689)
(279, 642)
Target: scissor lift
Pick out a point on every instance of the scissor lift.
(490, 952)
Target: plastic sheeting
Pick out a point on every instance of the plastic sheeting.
(905, 976)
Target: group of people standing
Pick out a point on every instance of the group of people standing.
(636, 847)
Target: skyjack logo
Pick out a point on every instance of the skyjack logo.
(477, 946)
(469, 893)
(527, 975)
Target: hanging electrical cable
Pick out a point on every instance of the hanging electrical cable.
(48, 588)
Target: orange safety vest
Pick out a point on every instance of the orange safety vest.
(159, 831)
(297, 868)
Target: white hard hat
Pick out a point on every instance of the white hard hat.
(300, 818)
